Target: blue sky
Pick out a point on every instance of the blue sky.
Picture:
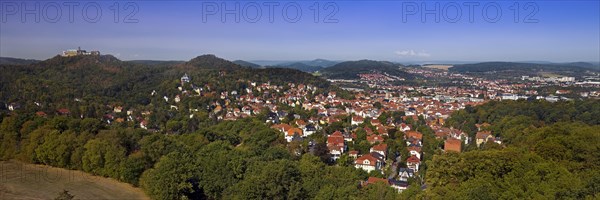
(403, 31)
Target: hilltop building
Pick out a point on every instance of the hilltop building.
(79, 52)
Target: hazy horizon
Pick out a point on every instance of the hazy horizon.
(274, 62)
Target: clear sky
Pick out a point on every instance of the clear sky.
(404, 31)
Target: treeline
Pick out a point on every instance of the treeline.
(241, 159)
(549, 151)
(523, 67)
(509, 117)
(351, 69)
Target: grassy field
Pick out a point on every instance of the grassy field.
(549, 75)
(27, 181)
(442, 67)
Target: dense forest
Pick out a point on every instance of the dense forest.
(549, 151)
(512, 69)
(351, 69)
(242, 159)
(306, 66)
(299, 66)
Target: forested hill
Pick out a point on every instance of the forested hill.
(523, 67)
(16, 61)
(246, 64)
(548, 151)
(299, 66)
(56, 82)
(210, 61)
(351, 69)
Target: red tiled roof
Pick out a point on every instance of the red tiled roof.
(374, 138)
(380, 147)
(452, 145)
(63, 111)
(293, 131)
(373, 180)
(41, 114)
(414, 134)
(415, 148)
(413, 159)
(483, 134)
(372, 160)
(335, 141)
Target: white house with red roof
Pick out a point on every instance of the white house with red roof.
(381, 149)
(336, 144)
(357, 120)
(413, 163)
(368, 163)
(414, 151)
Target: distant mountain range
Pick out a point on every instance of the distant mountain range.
(525, 67)
(246, 64)
(156, 62)
(299, 66)
(351, 69)
(306, 66)
(16, 61)
(348, 69)
(315, 62)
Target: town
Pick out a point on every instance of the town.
(384, 129)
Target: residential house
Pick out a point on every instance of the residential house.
(185, 79)
(375, 122)
(413, 163)
(336, 144)
(144, 124)
(41, 114)
(368, 163)
(292, 132)
(374, 139)
(13, 106)
(63, 111)
(399, 186)
(452, 144)
(353, 154)
(413, 134)
(301, 123)
(118, 109)
(483, 137)
(381, 149)
(414, 150)
(405, 173)
(404, 127)
(357, 120)
(309, 129)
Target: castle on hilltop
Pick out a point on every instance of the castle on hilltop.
(79, 52)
